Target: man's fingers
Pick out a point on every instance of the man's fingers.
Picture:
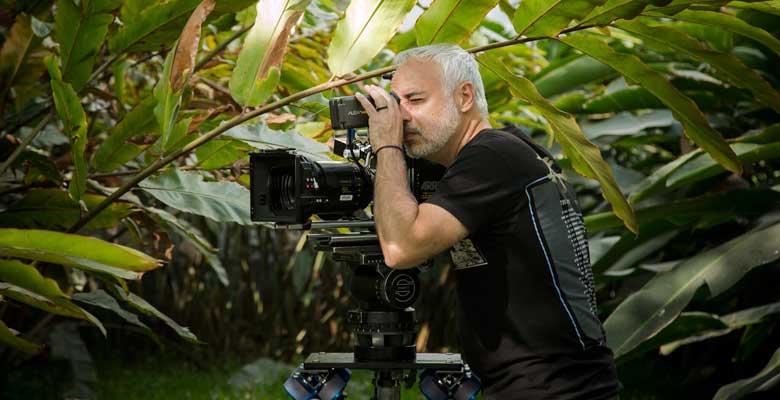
(365, 103)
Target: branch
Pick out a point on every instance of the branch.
(161, 162)
(221, 47)
(38, 128)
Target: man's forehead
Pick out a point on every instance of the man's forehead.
(416, 76)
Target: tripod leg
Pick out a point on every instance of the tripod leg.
(386, 386)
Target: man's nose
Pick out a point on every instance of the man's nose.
(405, 114)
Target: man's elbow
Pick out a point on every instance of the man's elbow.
(396, 257)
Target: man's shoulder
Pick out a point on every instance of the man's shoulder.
(503, 143)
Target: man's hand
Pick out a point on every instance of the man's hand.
(386, 126)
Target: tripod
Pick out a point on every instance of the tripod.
(384, 327)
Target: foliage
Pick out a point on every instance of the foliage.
(131, 121)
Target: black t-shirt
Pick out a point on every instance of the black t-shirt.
(526, 304)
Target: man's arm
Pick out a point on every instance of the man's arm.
(408, 233)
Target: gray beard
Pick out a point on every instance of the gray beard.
(433, 140)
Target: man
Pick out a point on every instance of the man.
(526, 304)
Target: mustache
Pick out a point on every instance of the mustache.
(410, 129)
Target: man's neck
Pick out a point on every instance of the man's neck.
(466, 132)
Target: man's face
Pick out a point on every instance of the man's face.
(429, 112)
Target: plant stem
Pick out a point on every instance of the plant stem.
(161, 162)
(38, 128)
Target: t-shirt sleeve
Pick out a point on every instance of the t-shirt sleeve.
(477, 188)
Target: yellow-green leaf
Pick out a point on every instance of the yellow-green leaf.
(10, 339)
(77, 251)
(26, 276)
(584, 155)
(548, 18)
(451, 21)
(74, 119)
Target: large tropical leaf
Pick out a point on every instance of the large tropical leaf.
(53, 208)
(660, 301)
(74, 119)
(684, 109)
(259, 64)
(80, 28)
(732, 203)
(571, 74)
(117, 150)
(451, 21)
(728, 22)
(260, 136)
(704, 166)
(10, 338)
(221, 152)
(187, 191)
(77, 251)
(669, 39)
(142, 305)
(627, 124)
(585, 156)
(548, 18)
(764, 380)
(612, 10)
(25, 284)
(365, 29)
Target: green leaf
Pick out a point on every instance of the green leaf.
(616, 9)
(259, 64)
(10, 339)
(730, 323)
(142, 305)
(192, 235)
(53, 208)
(663, 38)
(660, 301)
(116, 150)
(168, 102)
(584, 155)
(631, 98)
(732, 203)
(769, 7)
(27, 277)
(221, 152)
(627, 124)
(74, 119)
(99, 298)
(548, 18)
(656, 181)
(451, 21)
(80, 29)
(365, 29)
(704, 166)
(77, 251)
(187, 46)
(187, 191)
(571, 75)
(743, 387)
(684, 109)
(727, 22)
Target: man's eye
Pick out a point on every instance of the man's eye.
(415, 100)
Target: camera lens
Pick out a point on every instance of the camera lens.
(283, 184)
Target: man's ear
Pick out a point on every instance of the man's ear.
(464, 96)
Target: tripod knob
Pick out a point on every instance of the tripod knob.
(317, 385)
(450, 385)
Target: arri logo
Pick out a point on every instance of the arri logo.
(352, 113)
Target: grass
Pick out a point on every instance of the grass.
(160, 377)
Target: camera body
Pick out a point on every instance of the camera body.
(287, 188)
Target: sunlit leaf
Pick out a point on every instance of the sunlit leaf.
(548, 18)
(259, 64)
(77, 251)
(663, 38)
(584, 155)
(684, 109)
(189, 192)
(451, 21)
(365, 29)
(219, 153)
(74, 119)
(23, 275)
(260, 136)
(660, 301)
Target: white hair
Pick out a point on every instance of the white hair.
(457, 66)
